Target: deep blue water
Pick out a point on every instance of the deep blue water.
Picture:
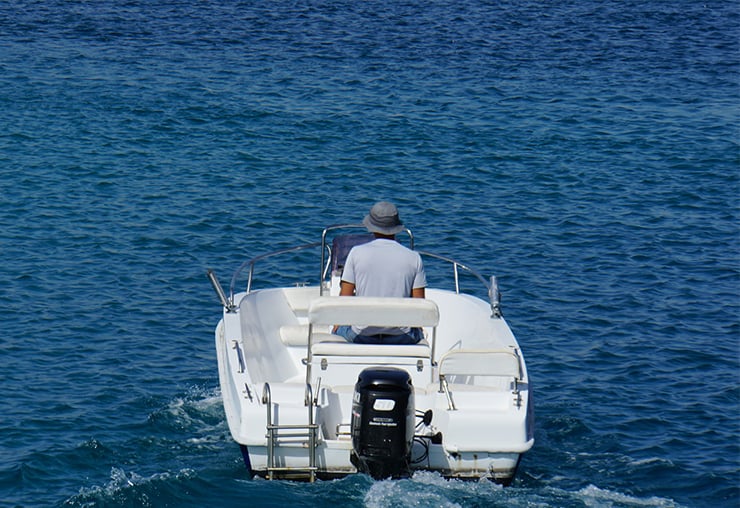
(585, 152)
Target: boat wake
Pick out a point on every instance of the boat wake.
(196, 415)
(594, 496)
(131, 489)
(428, 488)
(162, 458)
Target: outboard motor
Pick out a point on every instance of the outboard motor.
(383, 422)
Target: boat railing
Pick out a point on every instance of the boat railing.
(491, 285)
(251, 262)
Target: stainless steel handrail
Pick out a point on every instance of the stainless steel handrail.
(494, 296)
(457, 264)
(491, 286)
(252, 261)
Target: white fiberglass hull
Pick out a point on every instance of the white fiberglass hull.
(481, 418)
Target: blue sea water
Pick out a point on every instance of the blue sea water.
(585, 152)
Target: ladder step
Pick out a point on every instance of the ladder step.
(308, 431)
(296, 469)
(313, 426)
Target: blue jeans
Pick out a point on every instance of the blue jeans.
(413, 337)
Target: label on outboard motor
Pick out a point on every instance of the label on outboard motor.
(384, 422)
(384, 404)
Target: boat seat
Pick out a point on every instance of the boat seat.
(373, 311)
(328, 344)
(342, 244)
(370, 311)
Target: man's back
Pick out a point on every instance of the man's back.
(384, 267)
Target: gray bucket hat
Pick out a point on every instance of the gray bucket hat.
(383, 219)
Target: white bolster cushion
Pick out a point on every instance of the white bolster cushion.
(297, 335)
(371, 311)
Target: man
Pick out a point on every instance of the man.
(382, 267)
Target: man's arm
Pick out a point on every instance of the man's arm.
(418, 293)
(347, 289)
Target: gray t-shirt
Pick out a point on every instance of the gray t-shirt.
(384, 268)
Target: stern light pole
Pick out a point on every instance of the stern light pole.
(228, 305)
(494, 295)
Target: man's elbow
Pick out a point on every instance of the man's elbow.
(347, 289)
(418, 293)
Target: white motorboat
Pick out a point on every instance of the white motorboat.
(304, 404)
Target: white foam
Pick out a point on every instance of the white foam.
(121, 482)
(428, 488)
(398, 493)
(602, 498)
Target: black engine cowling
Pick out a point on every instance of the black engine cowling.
(383, 422)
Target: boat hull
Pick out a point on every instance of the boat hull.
(481, 424)
(334, 463)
